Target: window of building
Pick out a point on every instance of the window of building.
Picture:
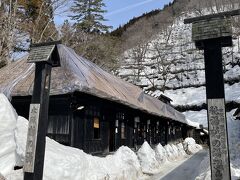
(144, 132)
(116, 126)
(96, 128)
(123, 132)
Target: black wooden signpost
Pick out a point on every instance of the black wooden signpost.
(210, 33)
(45, 56)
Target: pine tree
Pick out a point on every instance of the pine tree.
(89, 15)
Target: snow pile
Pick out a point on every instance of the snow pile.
(161, 154)
(193, 123)
(205, 171)
(190, 146)
(234, 137)
(172, 152)
(8, 119)
(175, 151)
(197, 116)
(168, 153)
(181, 150)
(148, 160)
(130, 164)
(21, 136)
(234, 146)
(63, 162)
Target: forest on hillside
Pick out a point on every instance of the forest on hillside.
(23, 22)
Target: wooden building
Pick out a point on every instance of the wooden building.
(92, 109)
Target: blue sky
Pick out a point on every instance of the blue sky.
(120, 12)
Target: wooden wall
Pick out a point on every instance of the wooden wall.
(118, 124)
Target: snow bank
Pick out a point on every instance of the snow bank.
(63, 162)
(205, 171)
(197, 116)
(147, 158)
(234, 146)
(21, 136)
(193, 124)
(161, 154)
(181, 150)
(233, 138)
(190, 146)
(175, 152)
(172, 154)
(8, 119)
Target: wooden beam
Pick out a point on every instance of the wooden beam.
(211, 16)
(46, 43)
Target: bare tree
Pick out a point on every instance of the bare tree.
(39, 25)
(7, 24)
(17, 28)
(138, 54)
(163, 48)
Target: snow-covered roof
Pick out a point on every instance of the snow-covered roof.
(193, 124)
(81, 75)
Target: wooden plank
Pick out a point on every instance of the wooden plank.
(217, 15)
(218, 140)
(46, 43)
(31, 138)
(214, 28)
(41, 53)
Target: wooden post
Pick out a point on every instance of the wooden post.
(45, 56)
(211, 33)
(40, 99)
(217, 125)
(71, 110)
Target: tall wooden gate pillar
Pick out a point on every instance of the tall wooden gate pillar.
(210, 33)
(45, 56)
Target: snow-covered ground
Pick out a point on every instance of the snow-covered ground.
(63, 162)
(197, 116)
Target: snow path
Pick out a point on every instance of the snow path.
(182, 170)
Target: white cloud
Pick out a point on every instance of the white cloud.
(128, 7)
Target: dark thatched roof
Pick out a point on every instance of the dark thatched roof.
(81, 75)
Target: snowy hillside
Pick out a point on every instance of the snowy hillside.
(171, 64)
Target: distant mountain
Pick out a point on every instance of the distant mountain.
(168, 7)
(146, 26)
(168, 62)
